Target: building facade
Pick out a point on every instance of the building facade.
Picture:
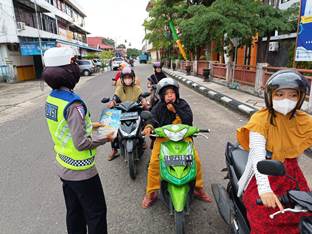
(29, 27)
(98, 43)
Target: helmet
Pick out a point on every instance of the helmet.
(127, 71)
(286, 79)
(157, 65)
(123, 65)
(166, 83)
(58, 56)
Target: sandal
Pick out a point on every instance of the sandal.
(113, 155)
(202, 195)
(148, 200)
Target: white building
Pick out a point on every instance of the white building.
(29, 27)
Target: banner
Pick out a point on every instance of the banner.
(304, 37)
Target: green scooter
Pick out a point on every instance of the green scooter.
(177, 169)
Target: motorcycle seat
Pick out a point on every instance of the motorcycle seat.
(239, 159)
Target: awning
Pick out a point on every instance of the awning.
(76, 45)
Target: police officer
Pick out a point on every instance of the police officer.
(70, 127)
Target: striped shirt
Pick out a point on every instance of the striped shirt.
(257, 152)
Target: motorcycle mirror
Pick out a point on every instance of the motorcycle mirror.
(146, 115)
(105, 100)
(271, 167)
(145, 94)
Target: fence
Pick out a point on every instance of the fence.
(218, 70)
(245, 74)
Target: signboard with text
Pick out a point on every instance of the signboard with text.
(33, 48)
(304, 37)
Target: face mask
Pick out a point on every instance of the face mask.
(284, 106)
(128, 81)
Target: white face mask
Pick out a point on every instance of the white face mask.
(128, 81)
(284, 106)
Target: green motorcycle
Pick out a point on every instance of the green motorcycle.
(177, 169)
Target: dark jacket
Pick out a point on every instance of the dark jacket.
(162, 116)
(156, 77)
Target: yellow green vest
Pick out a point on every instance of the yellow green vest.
(66, 153)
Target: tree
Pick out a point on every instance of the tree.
(133, 52)
(121, 46)
(271, 19)
(108, 41)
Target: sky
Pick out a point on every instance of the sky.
(117, 19)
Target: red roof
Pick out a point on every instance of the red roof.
(97, 42)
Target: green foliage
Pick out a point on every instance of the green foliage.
(133, 52)
(91, 56)
(109, 41)
(121, 46)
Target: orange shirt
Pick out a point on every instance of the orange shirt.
(288, 138)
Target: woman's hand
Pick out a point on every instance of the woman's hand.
(144, 104)
(171, 108)
(271, 200)
(110, 137)
(111, 104)
(147, 131)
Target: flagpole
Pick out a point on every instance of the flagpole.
(298, 26)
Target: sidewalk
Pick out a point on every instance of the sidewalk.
(16, 99)
(235, 100)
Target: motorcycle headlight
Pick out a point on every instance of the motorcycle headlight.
(175, 136)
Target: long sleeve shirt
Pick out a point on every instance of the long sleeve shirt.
(76, 125)
(257, 153)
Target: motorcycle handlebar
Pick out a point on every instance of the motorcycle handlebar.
(204, 130)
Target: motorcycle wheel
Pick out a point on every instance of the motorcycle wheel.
(179, 222)
(132, 166)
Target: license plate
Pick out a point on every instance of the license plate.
(129, 116)
(178, 160)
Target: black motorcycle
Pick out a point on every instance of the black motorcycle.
(231, 207)
(129, 137)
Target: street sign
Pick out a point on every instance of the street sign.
(304, 37)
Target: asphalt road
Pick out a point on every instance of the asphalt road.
(31, 199)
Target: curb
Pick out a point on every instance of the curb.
(216, 96)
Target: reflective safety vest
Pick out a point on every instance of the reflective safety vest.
(66, 153)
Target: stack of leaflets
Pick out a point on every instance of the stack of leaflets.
(111, 119)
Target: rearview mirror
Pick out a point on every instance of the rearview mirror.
(105, 100)
(146, 115)
(271, 167)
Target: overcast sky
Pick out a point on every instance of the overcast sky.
(118, 19)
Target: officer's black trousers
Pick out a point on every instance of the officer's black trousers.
(86, 207)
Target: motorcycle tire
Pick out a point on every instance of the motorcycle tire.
(179, 222)
(131, 164)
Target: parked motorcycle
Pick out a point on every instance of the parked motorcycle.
(129, 137)
(177, 170)
(231, 207)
